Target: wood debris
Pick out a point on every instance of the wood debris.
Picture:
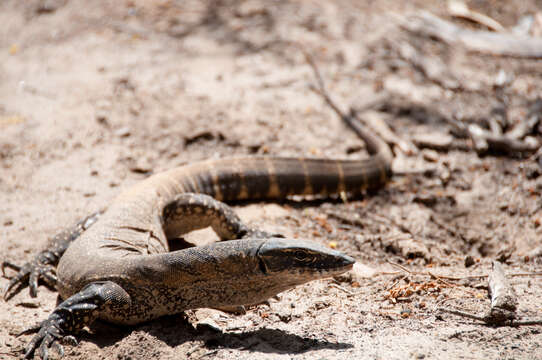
(504, 302)
(460, 9)
(503, 297)
(503, 44)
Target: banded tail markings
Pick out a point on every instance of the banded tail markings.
(308, 185)
(290, 176)
(240, 169)
(274, 190)
(213, 172)
(356, 176)
(385, 170)
(341, 187)
(324, 176)
(257, 178)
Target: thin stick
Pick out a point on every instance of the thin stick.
(458, 278)
(480, 41)
(525, 322)
(463, 314)
(402, 267)
(336, 286)
(484, 319)
(322, 87)
(396, 282)
(460, 9)
(504, 300)
(375, 145)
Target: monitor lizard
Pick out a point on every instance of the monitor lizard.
(116, 265)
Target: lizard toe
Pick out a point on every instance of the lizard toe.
(48, 336)
(17, 282)
(29, 275)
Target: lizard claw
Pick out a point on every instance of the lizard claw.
(71, 316)
(43, 265)
(49, 334)
(32, 272)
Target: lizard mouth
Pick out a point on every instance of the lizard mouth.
(323, 272)
(300, 258)
(263, 267)
(261, 261)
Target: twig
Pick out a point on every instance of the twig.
(463, 314)
(208, 354)
(441, 278)
(503, 302)
(503, 297)
(480, 41)
(403, 268)
(396, 282)
(526, 127)
(345, 290)
(322, 87)
(524, 322)
(458, 278)
(483, 318)
(460, 9)
(375, 121)
(526, 274)
(485, 141)
(374, 143)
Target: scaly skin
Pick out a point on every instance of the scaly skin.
(121, 268)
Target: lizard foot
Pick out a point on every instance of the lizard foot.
(72, 315)
(32, 271)
(43, 265)
(49, 334)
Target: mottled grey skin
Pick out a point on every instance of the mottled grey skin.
(121, 269)
(236, 272)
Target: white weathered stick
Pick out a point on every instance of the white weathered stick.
(481, 41)
(460, 9)
(504, 301)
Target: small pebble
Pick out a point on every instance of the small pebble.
(430, 155)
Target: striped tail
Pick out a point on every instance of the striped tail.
(277, 177)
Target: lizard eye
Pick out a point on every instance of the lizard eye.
(300, 255)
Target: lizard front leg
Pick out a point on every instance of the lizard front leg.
(44, 263)
(192, 211)
(73, 314)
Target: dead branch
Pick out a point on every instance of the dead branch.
(460, 9)
(458, 278)
(485, 141)
(503, 297)
(483, 318)
(503, 44)
(442, 278)
(373, 142)
(504, 302)
(463, 314)
(375, 121)
(524, 128)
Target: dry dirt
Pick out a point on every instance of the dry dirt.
(95, 96)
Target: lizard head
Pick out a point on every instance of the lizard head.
(297, 262)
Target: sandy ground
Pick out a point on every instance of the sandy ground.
(95, 96)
